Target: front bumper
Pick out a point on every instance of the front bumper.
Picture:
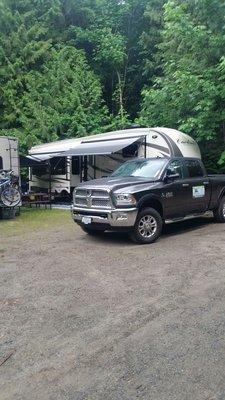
(115, 218)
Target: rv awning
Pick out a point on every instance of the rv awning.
(28, 161)
(100, 147)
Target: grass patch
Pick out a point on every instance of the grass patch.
(34, 220)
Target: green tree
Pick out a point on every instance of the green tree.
(113, 45)
(64, 99)
(189, 93)
(46, 88)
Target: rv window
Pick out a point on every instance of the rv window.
(40, 170)
(58, 165)
(75, 165)
(1, 163)
(90, 160)
(131, 150)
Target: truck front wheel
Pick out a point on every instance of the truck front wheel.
(219, 213)
(148, 226)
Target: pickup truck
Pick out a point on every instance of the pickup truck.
(143, 194)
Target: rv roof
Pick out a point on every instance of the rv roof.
(66, 144)
(100, 136)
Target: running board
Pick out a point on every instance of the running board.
(205, 214)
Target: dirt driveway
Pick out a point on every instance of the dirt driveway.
(104, 319)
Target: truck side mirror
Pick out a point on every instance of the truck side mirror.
(171, 177)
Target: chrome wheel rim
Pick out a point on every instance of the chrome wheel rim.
(147, 226)
(224, 210)
(10, 197)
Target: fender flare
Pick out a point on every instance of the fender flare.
(150, 198)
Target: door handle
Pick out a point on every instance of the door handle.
(185, 184)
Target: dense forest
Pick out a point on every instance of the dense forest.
(74, 67)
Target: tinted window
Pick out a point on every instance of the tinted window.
(90, 160)
(175, 167)
(58, 165)
(1, 163)
(194, 168)
(75, 165)
(40, 170)
(131, 150)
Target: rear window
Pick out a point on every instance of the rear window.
(194, 168)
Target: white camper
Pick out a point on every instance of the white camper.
(9, 156)
(68, 162)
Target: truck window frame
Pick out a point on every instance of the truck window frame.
(181, 167)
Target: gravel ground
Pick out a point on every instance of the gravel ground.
(104, 319)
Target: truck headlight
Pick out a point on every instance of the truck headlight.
(124, 199)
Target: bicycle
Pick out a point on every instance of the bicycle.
(10, 195)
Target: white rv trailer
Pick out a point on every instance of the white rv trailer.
(9, 156)
(96, 156)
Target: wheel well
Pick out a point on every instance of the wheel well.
(154, 204)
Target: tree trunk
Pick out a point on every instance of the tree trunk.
(121, 108)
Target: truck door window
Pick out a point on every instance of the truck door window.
(1, 163)
(175, 167)
(194, 168)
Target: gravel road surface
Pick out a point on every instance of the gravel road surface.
(86, 318)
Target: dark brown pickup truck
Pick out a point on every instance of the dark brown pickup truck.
(143, 194)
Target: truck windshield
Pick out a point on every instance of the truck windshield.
(148, 169)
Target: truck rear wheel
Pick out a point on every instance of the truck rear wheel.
(219, 213)
(148, 226)
(91, 231)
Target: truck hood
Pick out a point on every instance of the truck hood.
(119, 184)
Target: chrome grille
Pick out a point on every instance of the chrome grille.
(99, 193)
(92, 198)
(100, 203)
(81, 192)
(81, 202)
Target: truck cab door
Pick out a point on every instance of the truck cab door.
(198, 186)
(174, 191)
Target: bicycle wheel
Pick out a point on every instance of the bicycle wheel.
(11, 197)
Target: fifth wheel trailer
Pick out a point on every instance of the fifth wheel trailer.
(72, 161)
(9, 157)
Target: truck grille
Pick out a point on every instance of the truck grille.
(91, 198)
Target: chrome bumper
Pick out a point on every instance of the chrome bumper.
(120, 218)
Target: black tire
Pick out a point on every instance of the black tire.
(91, 231)
(219, 213)
(143, 234)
